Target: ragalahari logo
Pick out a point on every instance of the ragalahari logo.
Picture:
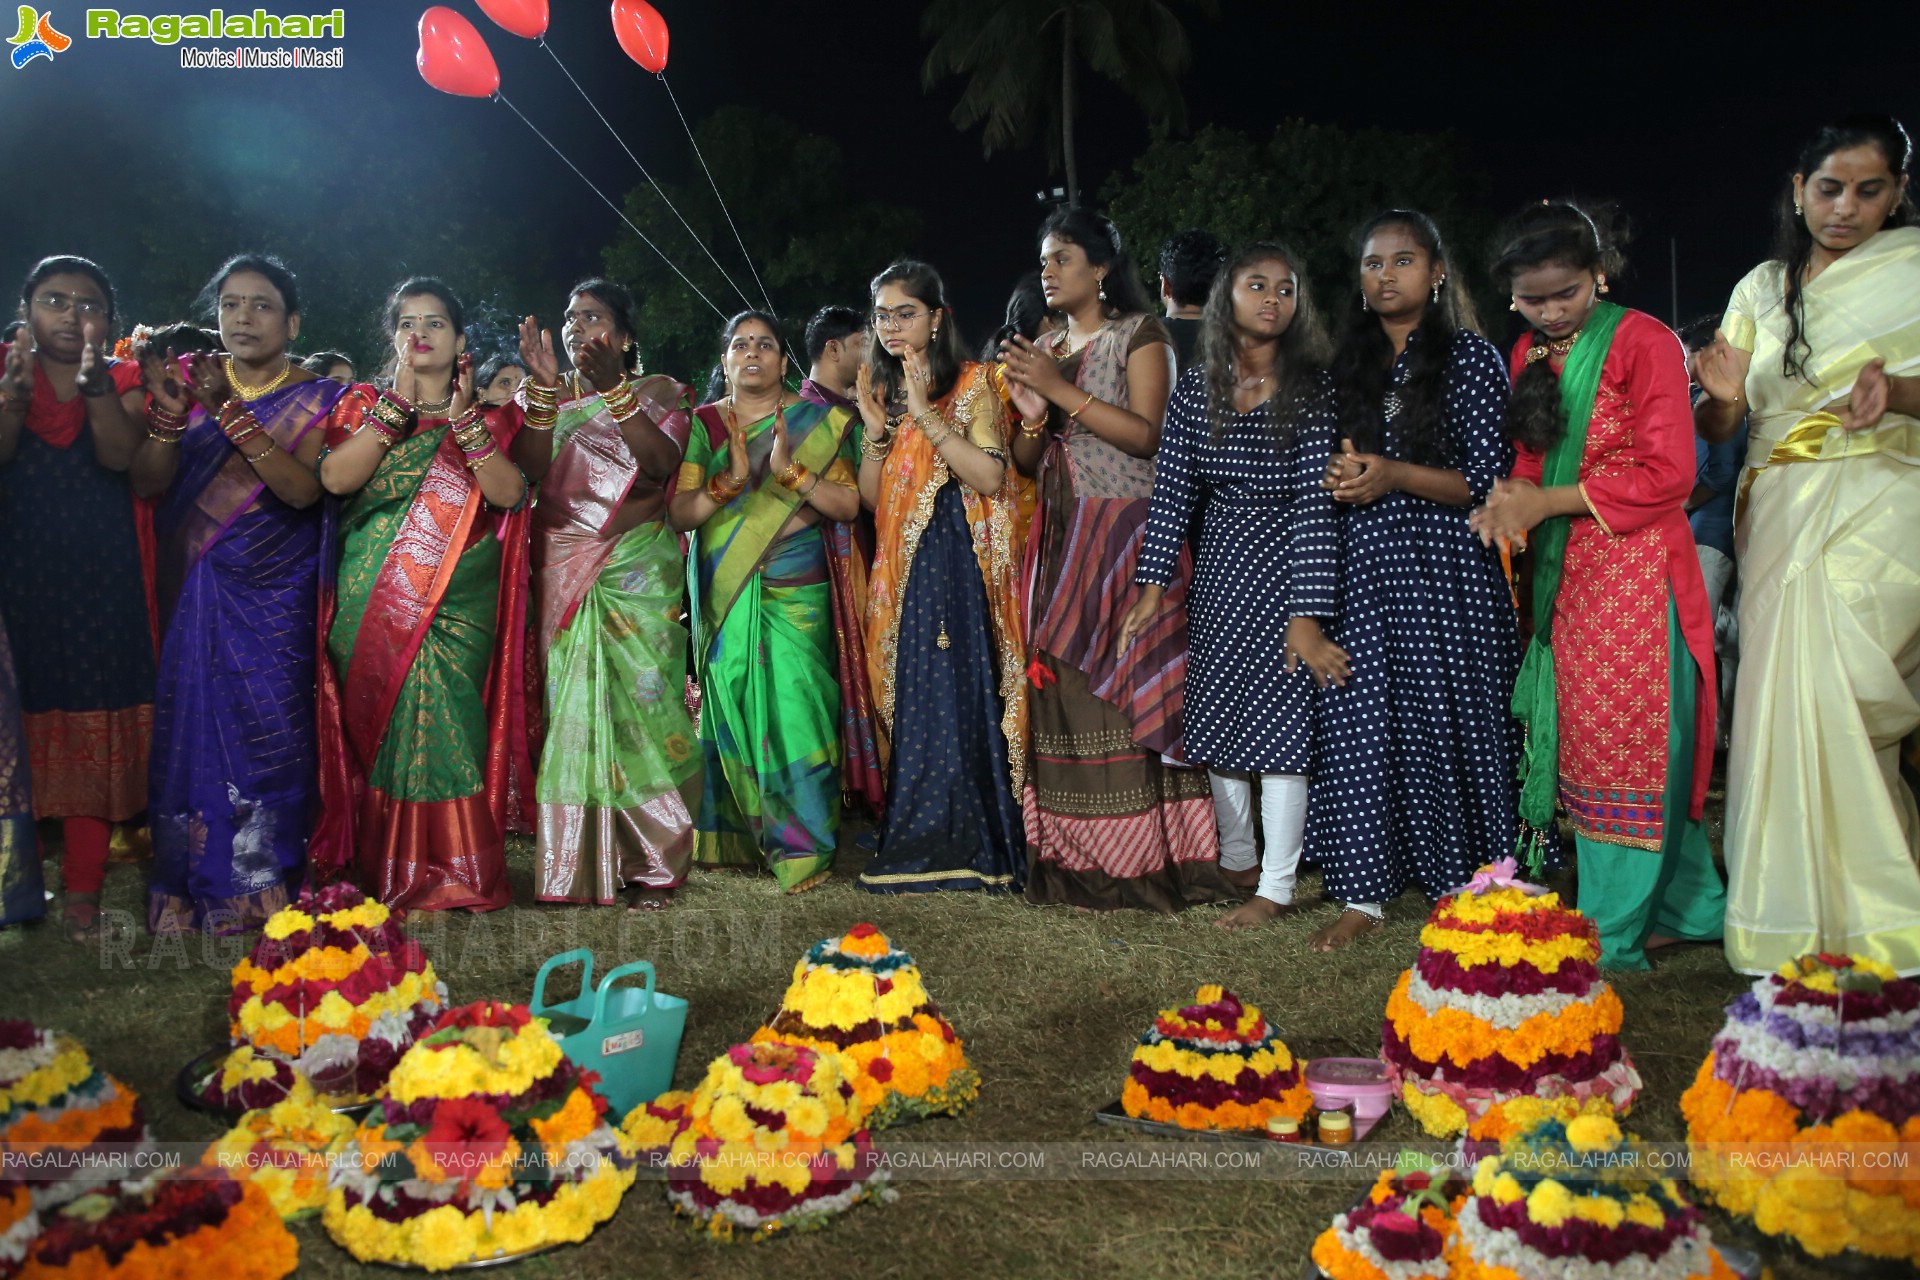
(37, 38)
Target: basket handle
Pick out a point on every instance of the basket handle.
(613, 976)
(581, 956)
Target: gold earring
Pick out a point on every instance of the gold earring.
(1513, 306)
(1603, 285)
(629, 345)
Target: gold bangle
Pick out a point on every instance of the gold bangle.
(261, 456)
(793, 476)
(1032, 429)
(1075, 415)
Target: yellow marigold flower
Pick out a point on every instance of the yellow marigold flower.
(285, 923)
(1506, 1189)
(517, 1232)
(569, 1124)
(807, 1117)
(1550, 1204)
(1593, 1133)
(1209, 994)
(443, 1238)
(1643, 1212)
(1486, 1175)
(1604, 1210)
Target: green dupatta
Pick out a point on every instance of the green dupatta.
(1534, 702)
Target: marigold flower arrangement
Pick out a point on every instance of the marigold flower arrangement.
(651, 1127)
(860, 996)
(488, 1142)
(19, 1227)
(333, 991)
(178, 1225)
(1579, 1198)
(1401, 1230)
(1504, 1001)
(1215, 1064)
(52, 1098)
(287, 1149)
(775, 1142)
(1817, 1063)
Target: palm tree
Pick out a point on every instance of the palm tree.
(1008, 49)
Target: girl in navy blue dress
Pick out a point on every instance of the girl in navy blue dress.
(1413, 774)
(1244, 447)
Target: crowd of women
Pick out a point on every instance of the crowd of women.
(1123, 613)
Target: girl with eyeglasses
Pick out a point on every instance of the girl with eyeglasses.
(76, 585)
(944, 644)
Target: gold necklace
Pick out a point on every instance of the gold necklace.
(1559, 348)
(433, 408)
(246, 392)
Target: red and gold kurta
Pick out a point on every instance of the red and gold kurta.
(1626, 557)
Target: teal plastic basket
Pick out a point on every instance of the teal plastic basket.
(629, 1035)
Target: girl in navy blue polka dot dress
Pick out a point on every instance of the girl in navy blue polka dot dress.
(1413, 778)
(1243, 449)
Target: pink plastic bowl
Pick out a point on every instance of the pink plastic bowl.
(1360, 1083)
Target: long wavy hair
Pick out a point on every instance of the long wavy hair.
(1303, 347)
(1557, 234)
(1364, 361)
(1793, 243)
(944, 354)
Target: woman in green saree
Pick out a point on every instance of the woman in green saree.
(423, 741)
(619, 774)
(763, 471)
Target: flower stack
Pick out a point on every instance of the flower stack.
(651, 1127)
(333, 991)
(1401, 1231)
(1215, 1064)
(1811, 1082)
(287, 1149)
(176, 1225)
(860, 996)
(775, 1142)
(1505, 1001)
(19, 1227)
(1576, 1198)
(487, 1142)
(53, 1099)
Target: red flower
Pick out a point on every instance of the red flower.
(880, 1069)
(1833, 961)
(883, 986)
(484, 1013)
(862, 930)
(466, 1136)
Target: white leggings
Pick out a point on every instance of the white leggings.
(1283, 816)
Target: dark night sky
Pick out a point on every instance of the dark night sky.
(1672, 111)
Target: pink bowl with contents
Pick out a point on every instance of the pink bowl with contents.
(1359, 1083)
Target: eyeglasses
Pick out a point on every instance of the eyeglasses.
(61, 303)
(896, 317)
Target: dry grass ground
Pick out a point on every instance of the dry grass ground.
(1049, 1002)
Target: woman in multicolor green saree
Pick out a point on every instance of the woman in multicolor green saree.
(422, 755)
(763, 471)
(619, 774)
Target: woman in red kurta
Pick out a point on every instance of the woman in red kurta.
(1617, 687)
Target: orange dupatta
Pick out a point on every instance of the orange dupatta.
(914, 474)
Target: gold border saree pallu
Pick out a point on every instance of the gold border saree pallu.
(442, 621)
(619, 773)
(770, 724)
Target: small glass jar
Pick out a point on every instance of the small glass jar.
(1284, 1129)
(1336, 1128)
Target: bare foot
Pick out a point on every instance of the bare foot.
(1253, 913)
(1351, 924)
(1655, 941)
(1244, 880)
(642, 898)
(813, 881)
(82, 920)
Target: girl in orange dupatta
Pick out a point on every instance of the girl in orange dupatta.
(944, 641)
(423, 742)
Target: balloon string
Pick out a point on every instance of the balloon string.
(618, 211)
(716, 192)
(657, 188)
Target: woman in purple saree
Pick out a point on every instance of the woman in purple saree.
(242, 537)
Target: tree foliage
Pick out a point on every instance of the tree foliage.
(788, 192)
(1310, 186)
(1019, 58)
